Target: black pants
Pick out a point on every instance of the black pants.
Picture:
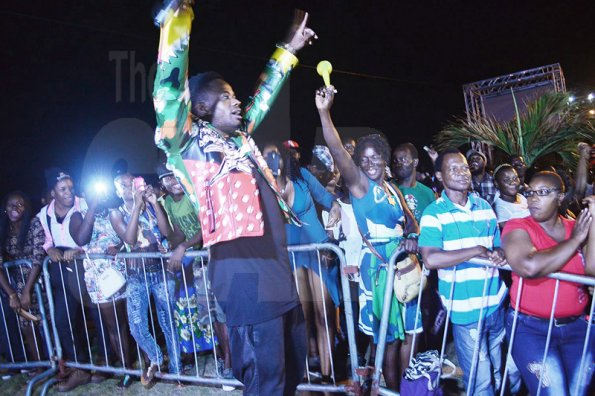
(11, 347)
(70, 298)
(269, 358)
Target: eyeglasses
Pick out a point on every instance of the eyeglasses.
(541, 193)
(375, 159)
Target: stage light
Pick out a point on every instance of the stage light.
(591, 112)
(571, 99)
(590, 97)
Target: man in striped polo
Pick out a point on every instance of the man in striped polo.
(455, 228)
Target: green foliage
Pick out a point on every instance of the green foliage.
(550, 124)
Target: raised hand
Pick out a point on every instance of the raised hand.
(325, 97)
(138, 198)
(432, 153)
(299, 34)
(150, 195)
(95, 199)
(169, 7)
(584, 150)
(581, 226)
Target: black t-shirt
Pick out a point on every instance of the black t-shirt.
(251, 276)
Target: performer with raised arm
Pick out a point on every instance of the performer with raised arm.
(384, 221)
(206, 136)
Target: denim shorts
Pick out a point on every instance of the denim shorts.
(409, 313)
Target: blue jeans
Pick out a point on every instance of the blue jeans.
(488, 369)
(162, 287)
(563, 358)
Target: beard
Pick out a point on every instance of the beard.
(402, 172)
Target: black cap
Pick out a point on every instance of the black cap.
(53, 175)
(120, 167)
(162, 171)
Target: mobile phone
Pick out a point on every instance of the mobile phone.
(139, 184)
(273, 161)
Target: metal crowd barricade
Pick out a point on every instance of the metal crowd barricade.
(349, 315)
(377, 389)
(44, 358)
(196, 376)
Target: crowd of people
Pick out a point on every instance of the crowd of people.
(372, 210)
(268, 313)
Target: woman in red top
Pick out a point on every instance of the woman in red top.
(536, 246)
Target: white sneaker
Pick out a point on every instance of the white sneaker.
(227, 374)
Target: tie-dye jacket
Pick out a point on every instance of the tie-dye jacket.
(215, 172)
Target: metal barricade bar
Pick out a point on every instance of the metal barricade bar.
(196, 378)
(50, 364)
(581, 279)
(388, 295)
(349, 315)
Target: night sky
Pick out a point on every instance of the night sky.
(399, 66)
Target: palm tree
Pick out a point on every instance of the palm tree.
(550, 124)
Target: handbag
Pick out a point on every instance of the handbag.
(422, 376)
(109, 281)
(409, 278)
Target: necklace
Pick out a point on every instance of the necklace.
(391, 198)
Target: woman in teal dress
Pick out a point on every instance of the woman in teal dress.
(384, 221)
(301, 190)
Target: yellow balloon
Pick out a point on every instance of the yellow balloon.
(324, 69)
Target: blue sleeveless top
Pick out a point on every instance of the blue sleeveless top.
(378, 214)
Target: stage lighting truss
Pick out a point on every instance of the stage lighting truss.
(476, 92)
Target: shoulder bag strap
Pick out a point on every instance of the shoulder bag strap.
(48, 219)
(371, 247)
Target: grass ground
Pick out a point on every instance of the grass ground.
(17, 385)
